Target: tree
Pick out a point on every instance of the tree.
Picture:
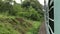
(36, 6)
(6, 7)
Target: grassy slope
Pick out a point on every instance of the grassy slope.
(7, 26)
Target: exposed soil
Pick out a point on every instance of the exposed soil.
(42, 29)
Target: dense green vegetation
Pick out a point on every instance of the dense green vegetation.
(24, 18)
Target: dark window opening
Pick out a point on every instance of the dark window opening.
(51, 14)
(51, 5)
(50, 31)
(51, 23)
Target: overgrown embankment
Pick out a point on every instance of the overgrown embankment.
(13, 25)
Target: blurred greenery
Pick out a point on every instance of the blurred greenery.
(24, 18)
(6, 28)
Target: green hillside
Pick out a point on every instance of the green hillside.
(24, 18)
